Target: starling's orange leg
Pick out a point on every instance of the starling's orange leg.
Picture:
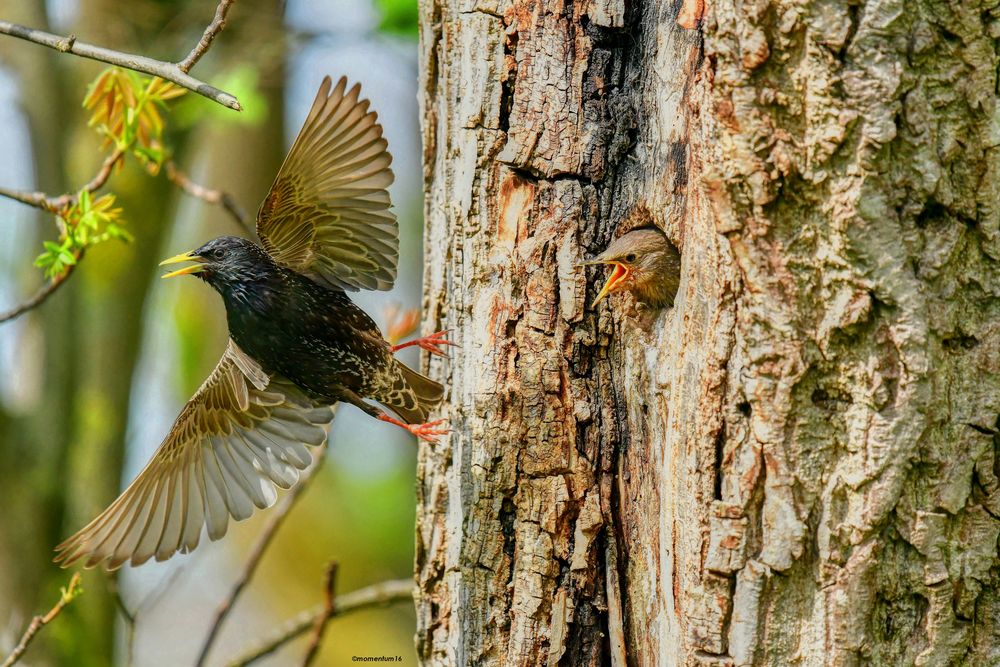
(430, 343)
(423, 431)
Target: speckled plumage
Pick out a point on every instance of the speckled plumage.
(313, 335)
(298, 344)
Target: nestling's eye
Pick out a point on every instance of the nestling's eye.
(630, 257)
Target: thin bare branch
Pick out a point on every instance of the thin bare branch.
(164, 70)
(216, 197)
(383, 593)
(39, 622)
(96, 183)
(39, 297)
(36, 199)
(175, 72)
(329, 609)
(131, 616)
(56, 204)
(128, 617)
(213, 29)
(257, 553)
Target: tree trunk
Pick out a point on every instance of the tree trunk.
(796, 464)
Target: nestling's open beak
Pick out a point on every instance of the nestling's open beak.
(615, 280)
(618, 275)
(183, 257)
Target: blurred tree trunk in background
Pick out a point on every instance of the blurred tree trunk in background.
(34, 444)
(69, 451)
(797, 464)
(61, 463)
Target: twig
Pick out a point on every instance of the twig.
(386, 592)
(43, 293)
(329, 609)
(165, 584)
(257, 553)
(175, 72)
(56, 205)
(128, 616)
(131, 617)
(164, 70)
(213, 29)
(36, 199)
(38, 622)
(216, 197)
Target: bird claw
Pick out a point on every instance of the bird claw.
(430, 343)
(427, 432)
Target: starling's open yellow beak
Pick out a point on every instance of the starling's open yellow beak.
(619, 274)
(183, 257)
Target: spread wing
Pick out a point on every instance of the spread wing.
(237, 437)
(327, 214)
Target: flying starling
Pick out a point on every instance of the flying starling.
(645, 263)
(297, 345)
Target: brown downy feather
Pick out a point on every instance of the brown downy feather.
(413, 395)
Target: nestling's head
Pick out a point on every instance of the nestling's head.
(645, 263)
(224, 262)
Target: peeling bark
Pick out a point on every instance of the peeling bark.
(797, 464)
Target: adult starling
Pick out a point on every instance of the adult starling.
(645, 263)
(297, 345)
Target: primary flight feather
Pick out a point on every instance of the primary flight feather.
(298, 345)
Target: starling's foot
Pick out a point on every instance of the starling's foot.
(430, 343)
(423, 431)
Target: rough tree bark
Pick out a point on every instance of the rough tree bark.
(797, 464)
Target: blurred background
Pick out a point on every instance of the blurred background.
(91, 381)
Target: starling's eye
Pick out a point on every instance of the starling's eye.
(216, 253)
(630, 257)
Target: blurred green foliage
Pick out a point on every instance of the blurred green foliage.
(126, 110)
(398, 17)
(85, 223)
(62, 450)
(243, 81)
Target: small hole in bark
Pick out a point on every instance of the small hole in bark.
(507, 514)
(933, 212)
(677, 155)
(830, 400)
(959, 342)
(744, 408)
(720, 443)
(853, 14)
(949, 36)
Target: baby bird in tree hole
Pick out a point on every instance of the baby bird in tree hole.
(644, 263)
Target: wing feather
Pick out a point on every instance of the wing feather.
(239, 435)
(176, 513)
(327, 213)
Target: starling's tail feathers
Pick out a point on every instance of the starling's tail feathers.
(414, 395)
